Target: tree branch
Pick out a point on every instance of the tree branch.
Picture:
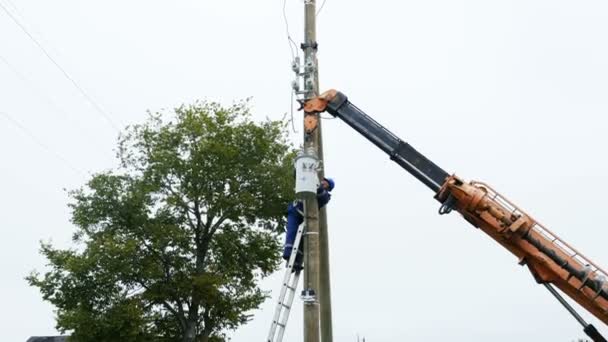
(178, 314)
(167, 274)
(217, 224)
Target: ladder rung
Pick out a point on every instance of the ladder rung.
(289, 287)
(285, 302)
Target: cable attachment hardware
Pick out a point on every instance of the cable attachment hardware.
(295, 65)
(448, 205)
(313, 45)
(309, 296)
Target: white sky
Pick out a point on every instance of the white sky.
(509, 92)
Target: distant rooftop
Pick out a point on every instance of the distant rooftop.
(47, 339)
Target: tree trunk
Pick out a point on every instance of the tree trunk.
(202, 243)
(190, 332)
(206, 335)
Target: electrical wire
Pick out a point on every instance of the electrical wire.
(41, 144)
(293, 47)
(35, 89)
(63, 71)
(292, 43)
(293, 126)
(321, 7)
(33, 31)
(49, 101)
(14, 7)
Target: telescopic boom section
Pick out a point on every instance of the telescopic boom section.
(550, 259)
(401, 152)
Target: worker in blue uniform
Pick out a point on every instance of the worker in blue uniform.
(295, 218)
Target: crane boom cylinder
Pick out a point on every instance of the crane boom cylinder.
(400, 152)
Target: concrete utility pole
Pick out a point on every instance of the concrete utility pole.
(311, 272)
(317, 272)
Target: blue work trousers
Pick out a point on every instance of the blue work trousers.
(294, 220)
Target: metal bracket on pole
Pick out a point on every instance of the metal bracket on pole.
(311, 45)
(309, 296)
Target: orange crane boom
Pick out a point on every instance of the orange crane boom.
(552, 261)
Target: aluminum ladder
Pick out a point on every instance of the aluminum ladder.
(288, 293)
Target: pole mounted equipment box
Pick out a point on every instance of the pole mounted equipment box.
(307, 166)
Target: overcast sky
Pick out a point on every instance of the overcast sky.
(508, 92)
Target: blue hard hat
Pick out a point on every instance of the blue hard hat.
(331, 182)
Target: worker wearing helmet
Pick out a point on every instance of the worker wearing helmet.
(295, 218)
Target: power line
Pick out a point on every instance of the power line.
(292, 43)
(33, 31)
(321, 7)
(49, 101)
(35, 89)
(63, 71)
(293, 127)
(14, 7)
(41, 144)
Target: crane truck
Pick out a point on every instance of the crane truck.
(551, 260)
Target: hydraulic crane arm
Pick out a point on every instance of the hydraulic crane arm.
(400, 152)
(551, 260)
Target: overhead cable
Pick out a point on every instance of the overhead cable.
(13, 7)
(49, 101)
(35, 89)
(292, 43)
(321, 7)
(41, 144)
(63, 71)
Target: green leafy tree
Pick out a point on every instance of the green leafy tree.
(171, 246)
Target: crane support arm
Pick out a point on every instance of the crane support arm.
(550, 259)
(400, 152)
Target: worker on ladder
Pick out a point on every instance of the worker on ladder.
(295, 217)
